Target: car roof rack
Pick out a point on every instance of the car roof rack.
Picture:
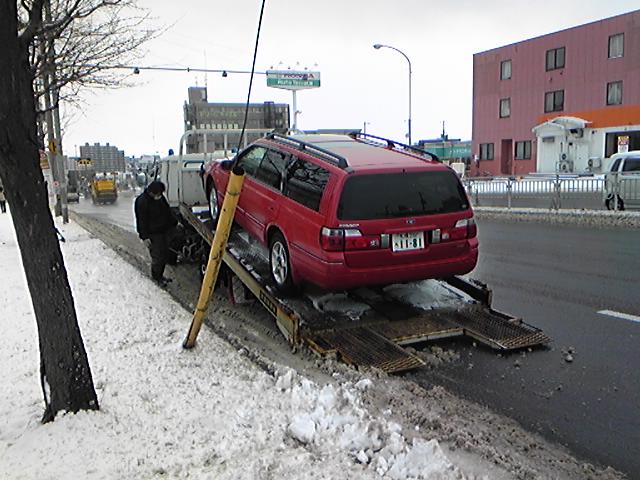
(375, 140)
(324, 154)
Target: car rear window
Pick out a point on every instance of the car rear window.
(371, 197)
(631, 164)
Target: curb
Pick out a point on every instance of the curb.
(585, 218)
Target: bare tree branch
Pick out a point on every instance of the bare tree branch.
(90, 38)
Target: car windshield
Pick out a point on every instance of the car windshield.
(371, 197)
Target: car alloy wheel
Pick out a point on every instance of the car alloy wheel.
(213, 203)
(280, 264)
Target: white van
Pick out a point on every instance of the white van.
(622, 181)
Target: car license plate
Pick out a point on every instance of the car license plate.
(407, 241)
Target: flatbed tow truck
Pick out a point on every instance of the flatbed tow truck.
(385, 324)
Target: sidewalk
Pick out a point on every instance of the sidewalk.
(172, 413)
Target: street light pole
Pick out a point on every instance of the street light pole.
(378, 46)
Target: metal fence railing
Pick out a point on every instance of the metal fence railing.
(616, 192)
(622, 190)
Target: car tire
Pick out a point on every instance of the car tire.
(212, 201)
(610, 202)
(280, 264)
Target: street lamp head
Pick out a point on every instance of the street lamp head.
(377, 46)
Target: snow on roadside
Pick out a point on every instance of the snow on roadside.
(170, 413)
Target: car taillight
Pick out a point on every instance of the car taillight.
(465, 228)
(338, 239)
(332, 239)
(354, 240)
(472, 228)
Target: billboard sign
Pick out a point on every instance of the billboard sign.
(293, 79)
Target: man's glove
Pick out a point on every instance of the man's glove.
(147, 242)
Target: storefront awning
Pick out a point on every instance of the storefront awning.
(559, 126)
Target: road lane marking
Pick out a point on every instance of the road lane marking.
(624, 316)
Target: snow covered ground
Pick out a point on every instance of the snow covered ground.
(169, 413)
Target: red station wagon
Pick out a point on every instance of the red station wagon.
(343, 211)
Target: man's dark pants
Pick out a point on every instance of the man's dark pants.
(159, 251)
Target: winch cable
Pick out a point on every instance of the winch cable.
(253, 68)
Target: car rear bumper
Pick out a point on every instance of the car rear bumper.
(339, 276)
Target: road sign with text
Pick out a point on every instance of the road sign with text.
(293, 79)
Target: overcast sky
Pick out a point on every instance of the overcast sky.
(359, 84)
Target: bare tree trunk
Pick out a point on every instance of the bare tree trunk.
(65, 373)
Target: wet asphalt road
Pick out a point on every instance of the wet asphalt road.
(119, 213)
(557, 278)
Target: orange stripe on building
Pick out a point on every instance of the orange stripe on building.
(602, 117)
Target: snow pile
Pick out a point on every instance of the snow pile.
(332, 418)
(338, 303)
(170, 413)
(427, 294)
(590, 218)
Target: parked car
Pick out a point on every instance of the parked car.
(343, 211)
(73, 187)
(622, 181)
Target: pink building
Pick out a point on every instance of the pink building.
(564, 102)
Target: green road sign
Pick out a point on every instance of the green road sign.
(293, 79)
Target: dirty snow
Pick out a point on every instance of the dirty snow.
(427, 294)
(170, 413)
(337, 303)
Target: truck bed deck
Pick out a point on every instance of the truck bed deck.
(370, 326)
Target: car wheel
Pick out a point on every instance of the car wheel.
(212, 197)
(610, 203)
(280, 265)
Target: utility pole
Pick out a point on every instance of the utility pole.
(52, 118)
(48, 118)
(60, 160)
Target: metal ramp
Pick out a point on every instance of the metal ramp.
(380, 344)
(362, 346)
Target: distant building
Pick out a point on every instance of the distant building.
(200, 114)
(562, 102)
(448, 149)
(104, 158)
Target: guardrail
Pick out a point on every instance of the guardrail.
(555, 192)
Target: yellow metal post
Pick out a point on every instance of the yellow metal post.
(218, 246)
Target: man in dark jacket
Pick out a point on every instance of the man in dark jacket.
(156, 226)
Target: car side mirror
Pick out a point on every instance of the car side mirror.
(226, 165)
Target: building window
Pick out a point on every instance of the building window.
(505, 70)
(616, 45)
(555, 58)
(554, 101)
(523, 150)
(614, 93)
(505, 107)
(486, 151)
